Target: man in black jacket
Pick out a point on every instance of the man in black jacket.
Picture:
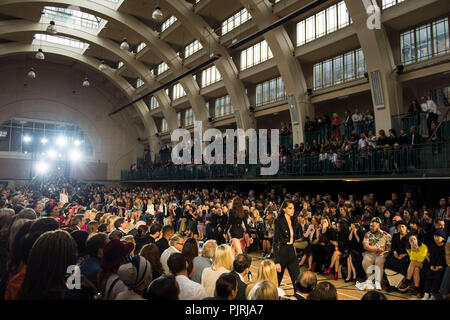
(241, 267)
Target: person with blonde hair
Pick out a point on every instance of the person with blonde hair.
(267, 272)
(223, 263)
(264, 290)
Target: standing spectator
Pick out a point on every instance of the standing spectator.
(377, 244)
(357, 119)
(348, 124)
(430, 108)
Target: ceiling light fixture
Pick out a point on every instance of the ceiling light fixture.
(124, 45)
(157, 15)
(102, 65)
(86, 83)
(40, 54)
(31, 74)
(52, 28)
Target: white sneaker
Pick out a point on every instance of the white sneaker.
(426, 296)
(377, 285)
(369, 285)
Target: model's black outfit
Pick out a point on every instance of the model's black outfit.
(234, 224)
(284, 253)
(398, 245)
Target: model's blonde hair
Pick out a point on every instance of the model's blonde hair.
(223, 258)
(264, 290)
(267, 271)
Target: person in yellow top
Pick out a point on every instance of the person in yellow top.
(418, 253)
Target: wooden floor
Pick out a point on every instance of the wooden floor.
(346, 291)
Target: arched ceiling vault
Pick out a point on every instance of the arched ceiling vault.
(15, 48)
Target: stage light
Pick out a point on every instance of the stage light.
(51, 154)
(75, 155)
(124, 45)
(77, 142)
(61, 141)
(27, 139)
(157, 14)
(52, 28)
(41, 167)
(44, 140)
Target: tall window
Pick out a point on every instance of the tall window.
(343, 68)
(256, 54)
(177, 91)
(322, 23)
(425, 42)
(389, 3)
(153, 103)
(162, 67)
(223, 106)
(235, 21)
(164, 125)
(189, 117)
(192, 48)
(168, 23)
(61, 40)
(41, 138)
(210, 76)
(139, 83)
(74, 17)
(140, 46)
(270, 91)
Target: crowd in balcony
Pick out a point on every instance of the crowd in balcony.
(349, 142)
(191, 244)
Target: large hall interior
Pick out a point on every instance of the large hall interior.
(239, 149)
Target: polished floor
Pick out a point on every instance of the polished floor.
(346, 291)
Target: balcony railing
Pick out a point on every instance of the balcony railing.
(399, 161)
(327, 134)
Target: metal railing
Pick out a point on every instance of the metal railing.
(411, 160)
(327, 134)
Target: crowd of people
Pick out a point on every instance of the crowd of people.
(348, 144)
(94, 242)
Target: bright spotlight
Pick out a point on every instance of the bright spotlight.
(27, 139)
(75, 155)
(51, 154)
(61, 141)
(77, 142)
(44, 140)
(41, 168)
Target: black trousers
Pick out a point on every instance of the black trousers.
(288, 259)
(433, 280)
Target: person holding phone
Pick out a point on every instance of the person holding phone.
(418, 253)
